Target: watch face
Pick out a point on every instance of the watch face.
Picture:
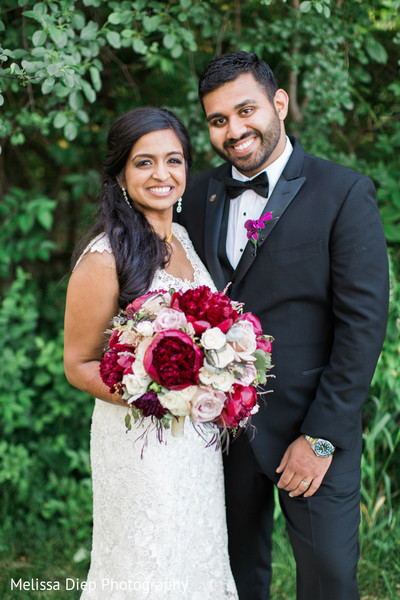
(323, 448)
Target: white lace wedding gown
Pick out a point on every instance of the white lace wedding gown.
(159, 529)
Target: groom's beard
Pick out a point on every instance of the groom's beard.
(255, 160)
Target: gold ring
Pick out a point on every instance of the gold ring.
(305, 483)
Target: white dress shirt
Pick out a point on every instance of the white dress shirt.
(249, 205)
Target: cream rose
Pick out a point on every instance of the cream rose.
(246, 345)
(145, 328)
(141, 349)
(135, 385)
(138, 368)
(207, 405)
(221, 358)
(178, 402)
(213, 339)
(219, 381)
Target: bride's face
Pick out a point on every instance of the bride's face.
(155, 174)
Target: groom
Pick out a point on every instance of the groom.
(319, 284)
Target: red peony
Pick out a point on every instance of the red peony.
(150, 405)
(173, 359)
(115, 344)
(204, 308)
(113, 367)
(240, 404)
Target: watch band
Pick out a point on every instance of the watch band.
(320, 447)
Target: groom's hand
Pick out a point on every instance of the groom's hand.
(300, 465)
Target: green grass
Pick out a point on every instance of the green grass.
(43, 555)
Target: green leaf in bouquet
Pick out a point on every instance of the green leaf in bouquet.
(261, 365)
(128, 421)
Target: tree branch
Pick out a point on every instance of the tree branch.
(221, 33)
(294, 107)
(238, 19)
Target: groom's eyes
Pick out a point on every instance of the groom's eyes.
(247, 111)
(220, 122)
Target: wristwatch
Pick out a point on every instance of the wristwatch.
(320, 447)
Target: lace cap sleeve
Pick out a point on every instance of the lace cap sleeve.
(100, 244)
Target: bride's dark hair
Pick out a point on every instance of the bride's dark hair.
(137, 249)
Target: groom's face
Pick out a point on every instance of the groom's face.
(246, 129)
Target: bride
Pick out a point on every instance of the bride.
(159, 530)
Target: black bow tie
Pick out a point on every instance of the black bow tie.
(259, 184)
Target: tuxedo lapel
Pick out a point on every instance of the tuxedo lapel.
(213, 221)
(285, 191)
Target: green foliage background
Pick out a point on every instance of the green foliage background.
(67, 68)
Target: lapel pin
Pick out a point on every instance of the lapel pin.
(213, 197)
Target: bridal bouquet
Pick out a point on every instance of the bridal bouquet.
(195, 353)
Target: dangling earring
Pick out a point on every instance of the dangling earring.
(179, 206)
(126, 197)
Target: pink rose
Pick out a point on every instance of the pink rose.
(169, 318)
(207, 405)
(249, 375)
(173, 359)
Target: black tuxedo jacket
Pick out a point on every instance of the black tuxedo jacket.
(318, 284)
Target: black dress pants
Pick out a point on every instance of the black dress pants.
(323, 530)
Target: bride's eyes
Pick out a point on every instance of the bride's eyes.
(148, 163)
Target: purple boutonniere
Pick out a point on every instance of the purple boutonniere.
(254, 228)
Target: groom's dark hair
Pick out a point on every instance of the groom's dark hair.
(229, 66)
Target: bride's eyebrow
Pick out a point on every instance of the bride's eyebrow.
(153, 155)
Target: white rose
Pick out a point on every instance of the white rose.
(219, 381)
(145, 328)
(221, 358)
(213, 339)
(142, 347)
(169, 318)
(138, 368)
(206, 376)
(223, 381)
(178, 402)
(135, 386)
(247, 344)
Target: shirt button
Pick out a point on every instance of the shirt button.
(241, 249)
